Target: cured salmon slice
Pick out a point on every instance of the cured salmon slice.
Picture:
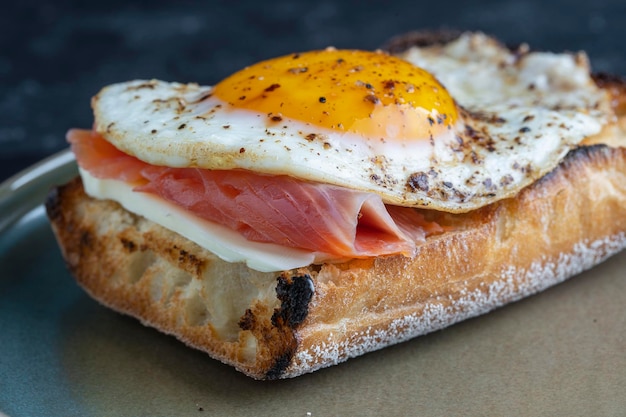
(275, 209)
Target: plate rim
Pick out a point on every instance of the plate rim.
(29, 187)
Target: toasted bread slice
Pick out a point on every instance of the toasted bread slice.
(278, 325)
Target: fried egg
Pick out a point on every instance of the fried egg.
(450, 128)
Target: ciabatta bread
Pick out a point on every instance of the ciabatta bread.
(280, 325)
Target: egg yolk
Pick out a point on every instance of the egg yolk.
(371, 94)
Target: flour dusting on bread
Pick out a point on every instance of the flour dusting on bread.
(514, 285)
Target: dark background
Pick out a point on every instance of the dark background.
(54, 55)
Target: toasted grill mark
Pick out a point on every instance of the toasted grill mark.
(53, 206)
(247, 320)
(578, 155)
(280, 365)
(295, 293)
(129, 245)
(86, 239)
(186, 260)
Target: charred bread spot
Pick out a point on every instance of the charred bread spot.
(87, 239)
(82, 247)
(79, 239)
(276, 341)
(421, 39)
(578, 155)
(586, 154)
(129, 245)
(186, 260)
(247, 320)
(53, 206)
(294, 293)
(280, 365)
(58, 197)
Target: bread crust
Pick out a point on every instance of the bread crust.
(279, 325)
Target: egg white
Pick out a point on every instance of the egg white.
(509, 134)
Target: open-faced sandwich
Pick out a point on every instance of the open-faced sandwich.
(317, 206)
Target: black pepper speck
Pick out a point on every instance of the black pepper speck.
(272, 87)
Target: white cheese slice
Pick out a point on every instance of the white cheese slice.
(223, 242)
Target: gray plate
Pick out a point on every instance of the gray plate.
(562, 352)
